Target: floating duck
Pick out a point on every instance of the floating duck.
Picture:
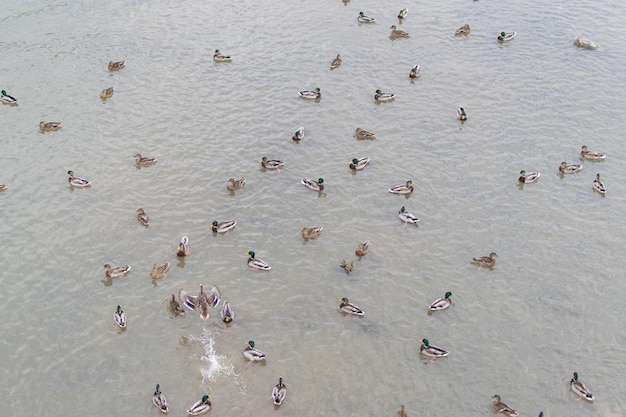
(407, 217)
(257, 264)
(183, 248)
(505, 37)
(144, 161)
(395, 33)
(598, 186)
(235, 184)
(463, 30)
(441, 303)
(415, 71)
(142, 217)
(486, 261)
(348, 308)
(227, 313)
(49, 126)
(115, 66)
(311, 232)
(347, 265)
(580, 389)
(77, 181)
(7, 99)
(432, 351)
(402, 14)
(363, 249)
(299, 134)
(502, 408)
(203, 303)
(528, 177)
(223, 227)
(219, 57)
(272, 163)
(176, 307)
(116, 272)
(106, 93)
(585, 43)
(566, 168)
(401, 412)
(380, 96)
(365, 19)
(279, 392)
(200, 407)
(363, 134)
(311, 95)
(314, 185)
(586, 153)
(403, 188)
(159, 401)
(160, 271)
(358, 164)
(120, 317)
(3, 187)
(253, 354)
(336, 62)
(461, 114)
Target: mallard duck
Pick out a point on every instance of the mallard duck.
(7, 99)
(183, 248)
(336, 62)
(214, 297)
(176, 307)
(585, 43)
(407, 217)
(299, 134)
(504, 37)
(142, 217)
(526, 178)
(401, 412)
(3, 187)
(395, 33)
(272, 163)
(358, 164)
(159, 401)
(115, 66)
(202, 303)
(279, 392)
(120, 317)
(380, 96)
(502, 408)
(403, 188)
(253, 354)
(106, 93)
(432, 351)
(200, 407)
(363, 249)
(311, 232)
(586, 153)
(365, 19)
(314, 185)
(235, 184)
(463, 30)
(580, 389)
(441, 303)
(77, 181)
(486, 261)
(257, 263)
(363, 134)
(159, 272)
(144, 161)
(565, 168)
(461, 114)
(227, 313)
(311, 95)
(348, 308)
(49, 126)
(219, 57)
(347, 265)
(415, 71)
(117, 271)
(188, 300)
(223, 227)
(402, 14)
(598, 185)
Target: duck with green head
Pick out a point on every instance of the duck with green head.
(365, 19)
(431, 351)
(407, 217)
(257, 264)
(200, 407)
(380, 96)
(314, 185)
(7, 99)
(441, 303)
(580, 389)
(223, 227)
(253, 354)
(358, 164)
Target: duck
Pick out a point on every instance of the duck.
(407, 217)
(200, 407)
(363, 134)
(580, 389)
(314, 185)
(598, 185)
(441, 303)
(235, 184)
(160, 271)
(49, 126)
(115, 66)
(401, 412)
(7, 99)
(188, 300)
(117, 271)
(253, 354)
(486, 261)
(219, 57)
(106, 93)
(461, 114)
(347, 265)
(120, 317)
(402, 13)
(432, 351)
(271, 163)
(3, 187)
(395, 33)
(311, 232)
(142, 217)
(214, 297)
(144, 161)
(415, 71)
(586, 153)
(463, 30)
(528, 177)
(504, 37)
(159, 401)
(176, 307)
(227, 313)
(336, 62)
(358, 164)
(279, 392)
(257, 264)
(363, 249)
(183, 248)
(347, 307)
(203, 302)
(565, 168)
(502, 408)
(380, 96)
(77, 181)
(299, 134)
(365, 19)
(585, 43)
(403, 188)
(223, 227)
(311, 95)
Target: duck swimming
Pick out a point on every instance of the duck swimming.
(106, 93)
(253, 354)
(348, 308)
(159, 401)
(380, 96)
(407, 217)
(527, 178)
(365, 19)
(402, 14)
(433, 352)
(227, 313)
(598, 185)
(311, 232)
(120, 317)
(585, 43)
(363, 249)
(505, 37)
(358, 164)
(463, 30)
(176, 307)
(314, 185)
(7, 99)
(299, 134)
(361, 134)
(49, 126)
(395, 33)
(279, 392)
(257, 264)
(115, 66)
(586, 153)
(200, 407)
(565, 168)
(441, 303)
(143, 161)
(580, 389)
(77, 181)
(336, 62)
(116, 272)
(311, 95)
(461, 114)
(223, 227)
(219, 57)
(415, 71)
(486, 261)
(502, 408)
(233, 184)
(160, 271)
(183, 248)
(403, 188)
(272, 163)
(142, 217)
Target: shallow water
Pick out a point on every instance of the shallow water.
(550, 305)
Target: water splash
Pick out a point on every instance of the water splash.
(217, 364)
